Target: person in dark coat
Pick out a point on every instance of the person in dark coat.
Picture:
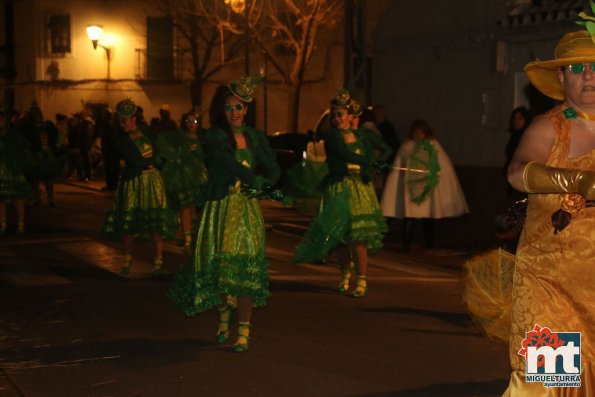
(387, 130)
(108, 130)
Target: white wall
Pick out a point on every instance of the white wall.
(124, 23)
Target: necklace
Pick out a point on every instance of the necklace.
(237, 129)
(586, 116)
(588, 124)
(585, 119)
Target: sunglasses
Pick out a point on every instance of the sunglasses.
(578, 68)
(339, 114)
(193, 121)
(239, 107)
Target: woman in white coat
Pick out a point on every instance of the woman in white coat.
(440, 195)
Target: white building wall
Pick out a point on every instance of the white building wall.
(83, 72)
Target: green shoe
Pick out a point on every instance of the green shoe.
(241, 344)
(125, 269)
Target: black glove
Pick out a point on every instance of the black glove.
(383, 167)
(249, 190)
(271, 193)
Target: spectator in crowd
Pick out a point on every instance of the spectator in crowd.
(86, 139)
(520, 118)
(423, 185)
(166, 123)
(387, 130)
(108, 130)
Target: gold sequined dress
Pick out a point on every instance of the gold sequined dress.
(554, 279)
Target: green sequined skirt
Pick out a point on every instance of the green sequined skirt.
(184, 182)
(349, 211)
(228, 257)
(140, 208)
(13, 185)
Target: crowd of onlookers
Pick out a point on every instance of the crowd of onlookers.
(78, 146)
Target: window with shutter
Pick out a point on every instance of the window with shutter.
(160, 48)
(59, 27)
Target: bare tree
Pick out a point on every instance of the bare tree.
(287, 31)
(203, 36)
(289, 35)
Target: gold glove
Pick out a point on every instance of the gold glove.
(539, 178)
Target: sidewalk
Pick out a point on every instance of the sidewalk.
(92, 184)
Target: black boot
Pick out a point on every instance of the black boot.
(407, 233)
(429, 227)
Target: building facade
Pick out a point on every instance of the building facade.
(47, 58)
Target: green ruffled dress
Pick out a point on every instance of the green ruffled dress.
(15, 159)
(140, 205)
(229, 251)
(349, 211)
(183, 168)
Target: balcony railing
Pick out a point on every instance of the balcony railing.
(179, 65)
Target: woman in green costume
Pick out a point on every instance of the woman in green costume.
(349, 219)
(15, 158)
(183, 170)
(228, 259)
(140, 204)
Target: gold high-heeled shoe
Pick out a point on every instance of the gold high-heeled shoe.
(157, 266)
(346, 278)
(362, 288)
(242, 342)
(225, 318)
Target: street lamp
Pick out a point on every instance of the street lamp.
(95, 32)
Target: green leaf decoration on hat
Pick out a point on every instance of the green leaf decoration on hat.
(588, 21)
(355, 108)
(342, 98)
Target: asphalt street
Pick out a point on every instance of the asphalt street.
(72, 326)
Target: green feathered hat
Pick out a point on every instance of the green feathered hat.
(342, 98)
(243, 88)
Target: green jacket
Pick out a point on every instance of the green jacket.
(224, 168)
(338, 154)
(135, 162)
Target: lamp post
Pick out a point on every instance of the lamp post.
(95, 32)
(247, 38)
(243, 7)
